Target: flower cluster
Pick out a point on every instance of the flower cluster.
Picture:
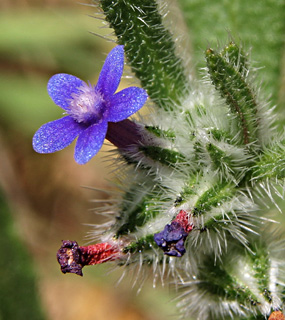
(198, 169)
(89, 109)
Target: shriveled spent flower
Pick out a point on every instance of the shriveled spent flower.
(89, 109)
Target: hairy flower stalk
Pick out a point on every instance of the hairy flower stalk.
(194, 174)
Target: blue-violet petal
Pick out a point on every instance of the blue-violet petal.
(90, 142)
(125, 103)
(111, 73)
(62, 87)
(56, 135)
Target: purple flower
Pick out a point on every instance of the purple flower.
(89, 109)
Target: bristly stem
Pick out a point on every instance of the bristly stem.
(149, 48)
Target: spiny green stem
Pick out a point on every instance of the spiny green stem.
(149, 48)
(142, 244)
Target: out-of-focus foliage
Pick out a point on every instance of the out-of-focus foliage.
(19, 298)
(260, 25)
(35, 45)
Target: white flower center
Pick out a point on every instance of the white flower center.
(87, 105)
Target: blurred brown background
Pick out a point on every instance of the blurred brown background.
(42, 201)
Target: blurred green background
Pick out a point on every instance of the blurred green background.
(41, 199)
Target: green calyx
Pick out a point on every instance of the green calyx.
(271, 164)
(221, 283)
(213, 197)
(232, 85)
(219, 158)
(164, 156)
(236, 57)
(242, 276)
(167, 134)
(136, 212)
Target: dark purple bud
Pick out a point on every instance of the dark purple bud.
(171, 239)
